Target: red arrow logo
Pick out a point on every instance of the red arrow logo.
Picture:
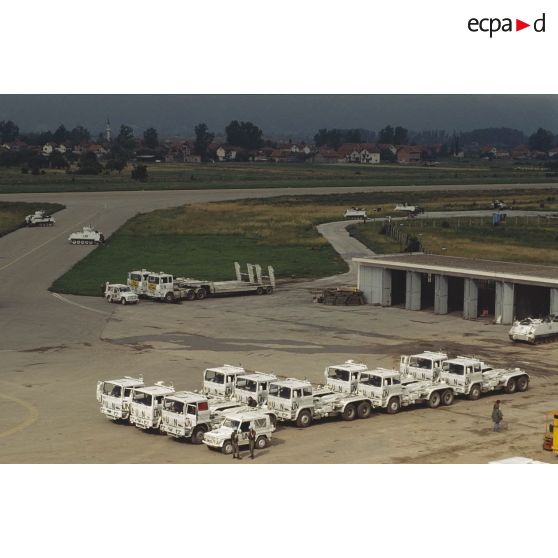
(519, 25)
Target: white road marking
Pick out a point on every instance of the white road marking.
(64, 299)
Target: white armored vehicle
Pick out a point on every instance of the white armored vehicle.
(190, 415)
(471, 377)
(423, 366)
(254, 385)
(88, 235)
(120, 293)
(355, 213)
(147, 405)
(344, 377)
(534, 330)
(115, 396)
(220, 381)
(137, 281)
(39, 219)
(241, 421)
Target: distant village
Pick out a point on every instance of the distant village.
(67, 149)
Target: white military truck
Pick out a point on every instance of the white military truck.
(254, 385)
(147, 405)
(115, 396)
(122, 294)
(165, 287)
(423, 366)
(241, 421)
(535, 330)
(190, 415)
(88, 235)
(344, 377)
(220, 380)
(39, 219)
(471, 377)
(137, 281)
(298, 401)
(356, 213)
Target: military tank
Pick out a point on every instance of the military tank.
(88, 235)
(39, 219)
(535, 330)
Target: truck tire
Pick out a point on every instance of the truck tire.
(260, 290)
(475, 392)
(200, 294)
(304, 419)
(123, 301)
(197, 435)
(269, 290)
(434, 400)
(169, 297)
(448, 397)
(522, 383)
(190, 294)
(227, 448)
(261, 442)
(511, 386)
(349, 412)
(364, 409)
(393, 406)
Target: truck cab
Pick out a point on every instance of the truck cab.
(253, 385)
(147, 405)
(344, 377)
(287, 399)
(241, 421)
(115, 396)
(463, 371)
(120, 293)
(379, 385)
(186, 415)
(220, 381)
(161, 286)
(137, 281)
(423, 366)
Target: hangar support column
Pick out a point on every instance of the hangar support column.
(413, 291)
(440, 294)
(375, 284)
(503, 311)
(553, 302)
(470, 299)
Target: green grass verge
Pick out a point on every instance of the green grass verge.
(12, 214)
(175, 176)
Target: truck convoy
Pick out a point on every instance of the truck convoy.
(39, 219)
(535, 330)
(166, 287)
(88, 235)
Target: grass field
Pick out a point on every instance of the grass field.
(527, 240)
(12, 214)
(204, 240)
(175, 176)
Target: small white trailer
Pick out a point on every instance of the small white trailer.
(115, 396)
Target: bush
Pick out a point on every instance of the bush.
(139, 172)
(445, 225)
(413, 244)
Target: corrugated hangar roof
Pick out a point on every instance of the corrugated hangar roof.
(546, 276)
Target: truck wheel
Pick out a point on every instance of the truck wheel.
(510, 386)
(349, 413)
(227, 448)
(304, 419)
(393, 405)
(475, 392)
(200, 294)
(261, 443)
(169, 297)
(447, 397)
(364, 409)
(434, 400)
(522, 383)
(190, 294)
(123, 301)
(269, 290)
(197, 435)
(260, 290)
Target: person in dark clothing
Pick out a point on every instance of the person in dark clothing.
(235, 445)
(497, 417)
(252, 441)
(252, 402)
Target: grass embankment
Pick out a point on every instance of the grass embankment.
(526, 240)
(176, 176)
(12, 214)
(204, 240)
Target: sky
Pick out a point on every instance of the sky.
(299, 116)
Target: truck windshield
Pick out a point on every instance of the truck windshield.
(112, 390)
(230, 423)
(280, 391)
(375, 381)
(458, 369)
(337, 374)
(215, 377)
(424, 363)
(173, 406)
(135, 276)
(247, 385)
(142, 398)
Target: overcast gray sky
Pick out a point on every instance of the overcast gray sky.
(296, 115)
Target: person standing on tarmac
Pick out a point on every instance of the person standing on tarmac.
(252, 440)
(234, 441)
(497, 417)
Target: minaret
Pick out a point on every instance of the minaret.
(108, 132)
